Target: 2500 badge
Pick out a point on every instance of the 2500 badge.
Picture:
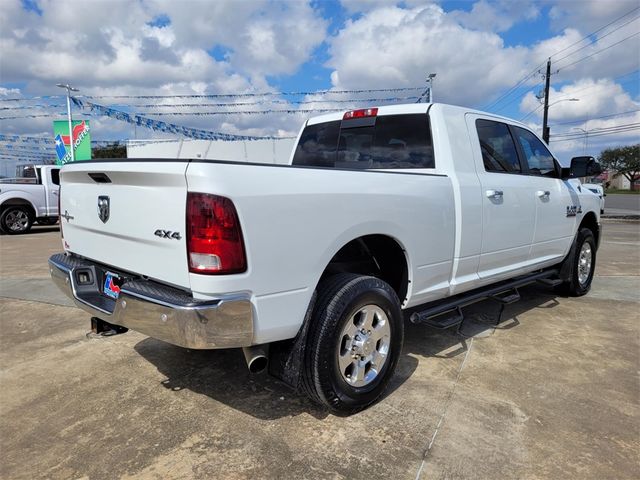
(573, 210)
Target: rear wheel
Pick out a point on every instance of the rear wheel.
(354, 342)
(15, 220)
(584, 263)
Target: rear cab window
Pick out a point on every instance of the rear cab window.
(55, 176)
(380, 142)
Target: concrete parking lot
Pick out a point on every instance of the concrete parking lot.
(551, 392)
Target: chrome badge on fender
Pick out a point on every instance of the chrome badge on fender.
(573, 210)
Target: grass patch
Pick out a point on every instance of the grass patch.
(625, 192)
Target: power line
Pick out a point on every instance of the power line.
(598, 39)
(596, 85)
(227, 104)
(243, 112)
(601, 50)
(260, 94)
(573, 139)
(598, 130)
(539, 84)
(512, 89)
(595, 118)
(524, 79)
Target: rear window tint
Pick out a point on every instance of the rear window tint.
(317, 145)
(55, 176)
(394, 141)
(498, 148)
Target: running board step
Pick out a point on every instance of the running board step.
(551, 282)
(508, 297)
(447, 312)
(441, 321)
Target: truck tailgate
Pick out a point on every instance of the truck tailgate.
(143, 201)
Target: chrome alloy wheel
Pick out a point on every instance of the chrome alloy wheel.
(364, 345)
(17, 220)
(584, 263)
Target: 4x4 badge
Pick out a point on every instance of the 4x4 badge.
(167, 234)
(103, 208)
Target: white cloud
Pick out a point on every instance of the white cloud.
(577, 59)
(596, 98)
(113, 43)
(497, 16)
(588, 15)
(603, 104)
(398, 47)
(116, 48)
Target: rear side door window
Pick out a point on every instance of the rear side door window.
(539, 159)
(498, 149)
(403, 141)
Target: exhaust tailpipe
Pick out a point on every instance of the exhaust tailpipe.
(256, 358)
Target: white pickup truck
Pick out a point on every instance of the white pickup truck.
(27, 199)
(384, 213)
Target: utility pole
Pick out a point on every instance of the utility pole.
(69, 89)
(545, 119)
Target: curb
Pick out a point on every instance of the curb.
(620, 217)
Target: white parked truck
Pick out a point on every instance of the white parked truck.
(25, 200)
(405, 211)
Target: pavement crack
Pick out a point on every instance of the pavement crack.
(447, 403)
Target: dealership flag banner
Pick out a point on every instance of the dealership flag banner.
(81, 140)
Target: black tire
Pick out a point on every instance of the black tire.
(15, 220)
(47, 221)
(574, 286)
(341, 298)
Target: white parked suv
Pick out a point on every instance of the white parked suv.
(383, 213)
(25, 200)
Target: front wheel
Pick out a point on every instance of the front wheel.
(354, 342)
(584, 264)
(16, 220)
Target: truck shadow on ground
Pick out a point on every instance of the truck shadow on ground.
(223, 376)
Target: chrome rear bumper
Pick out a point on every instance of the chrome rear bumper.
(157, 310)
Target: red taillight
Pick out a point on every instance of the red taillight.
(214, 237)
(365, 112)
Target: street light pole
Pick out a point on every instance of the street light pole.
(69, 89)
(545, 128)
(586, 137)
(430, 78)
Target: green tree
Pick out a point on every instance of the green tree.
(110, 151)
(623, 161)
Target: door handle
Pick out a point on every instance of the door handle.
(543, 193)
(495, 194)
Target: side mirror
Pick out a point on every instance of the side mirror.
(582, 167)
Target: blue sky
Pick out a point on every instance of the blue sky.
(479, 49)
